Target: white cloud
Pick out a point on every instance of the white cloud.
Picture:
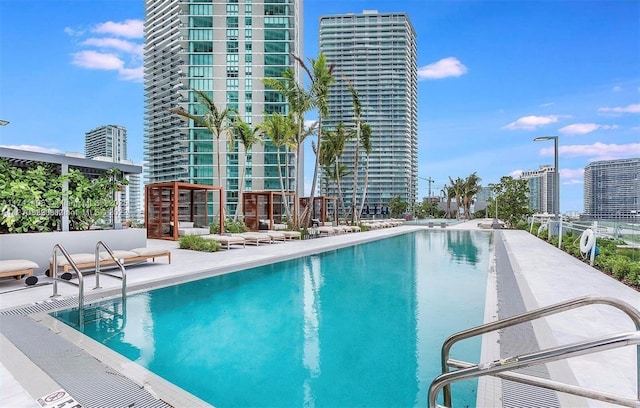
(546, 105)
(128, 28)
(116, 44)
(572, 182)
(97, 60)
(105, 52)
(584, 128)
(597, 151)
(633, 108)
(516, 173)
(32, 148)
(572, 173)
(531, 122)
(617, 88)
(446, 67)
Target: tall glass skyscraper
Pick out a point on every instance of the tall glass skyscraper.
(612, 190)
(224, 48)
(541, 184)
(377, 53)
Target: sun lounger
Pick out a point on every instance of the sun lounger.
(326, 231)
(227, 240)
(255, 238)
(276, 236)
(291, 235)
(85, 260)
(18, 268)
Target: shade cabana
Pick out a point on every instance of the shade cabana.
(168, 204)
(323, 209)
(265, 210)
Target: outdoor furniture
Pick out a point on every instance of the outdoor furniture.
(85, 260)
(227, 240)
(18, 268)
(255, 238)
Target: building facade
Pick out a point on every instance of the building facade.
(612, 190)
(541, 184)
(377, 54)
(224, 48)
(109, 143)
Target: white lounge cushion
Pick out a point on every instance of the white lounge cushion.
(185, 224)
(12, 265)
(77, 259)
(119, 254)
(150, 251)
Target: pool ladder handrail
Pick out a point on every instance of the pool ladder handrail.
(80, 284)
(123, 273)
(498, 368)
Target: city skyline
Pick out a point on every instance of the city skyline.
(492, 77)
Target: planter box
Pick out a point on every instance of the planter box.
(38, 246)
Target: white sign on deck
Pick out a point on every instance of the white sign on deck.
(58, 399)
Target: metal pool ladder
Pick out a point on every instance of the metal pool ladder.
(503, 368)
(80, 283)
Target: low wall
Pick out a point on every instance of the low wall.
(37, 247)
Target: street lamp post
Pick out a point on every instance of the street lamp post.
(556, 177)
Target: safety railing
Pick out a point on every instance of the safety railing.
(500, 368)
(123, 273)
(56, 278)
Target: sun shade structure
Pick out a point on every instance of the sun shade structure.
(324, 208)
(170, 204)
(265, 210)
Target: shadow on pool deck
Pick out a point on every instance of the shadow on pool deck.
(544, 274)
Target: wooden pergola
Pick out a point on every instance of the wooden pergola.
(321, 207)
(169, 203)
(266, 206)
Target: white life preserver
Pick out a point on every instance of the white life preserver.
(587, 240)
(542, 228)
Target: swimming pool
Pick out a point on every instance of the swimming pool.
(358, 326)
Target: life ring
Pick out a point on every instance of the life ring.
(542, 228)
(587, 240)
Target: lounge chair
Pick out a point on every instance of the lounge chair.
(326, 231)
(19, 268)
(85, 260)
(255, 238)
(291, 235)
(276, 236)
(227, 240)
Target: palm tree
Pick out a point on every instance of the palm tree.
(321, 76)
(213, 119)
(248, 137)
(469, 190)
(457, 187)
(281, 129)
(365, 141)
(300, 102)
(333, 147)
(357, 113)
(448, 193)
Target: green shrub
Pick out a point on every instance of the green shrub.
(197, 243)
(230, 226)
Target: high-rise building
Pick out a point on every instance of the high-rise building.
(612, 190)
(109, 143)
(224, 48)
(541, 189)
(377, 54)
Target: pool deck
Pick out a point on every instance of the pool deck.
(545, 275)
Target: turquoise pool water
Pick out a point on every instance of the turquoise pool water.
(358, 326)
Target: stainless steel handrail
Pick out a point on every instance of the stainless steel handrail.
(117, 261)
(80, 284)
(541, 357)
(633, 313)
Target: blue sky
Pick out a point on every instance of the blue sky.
(493, 76)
